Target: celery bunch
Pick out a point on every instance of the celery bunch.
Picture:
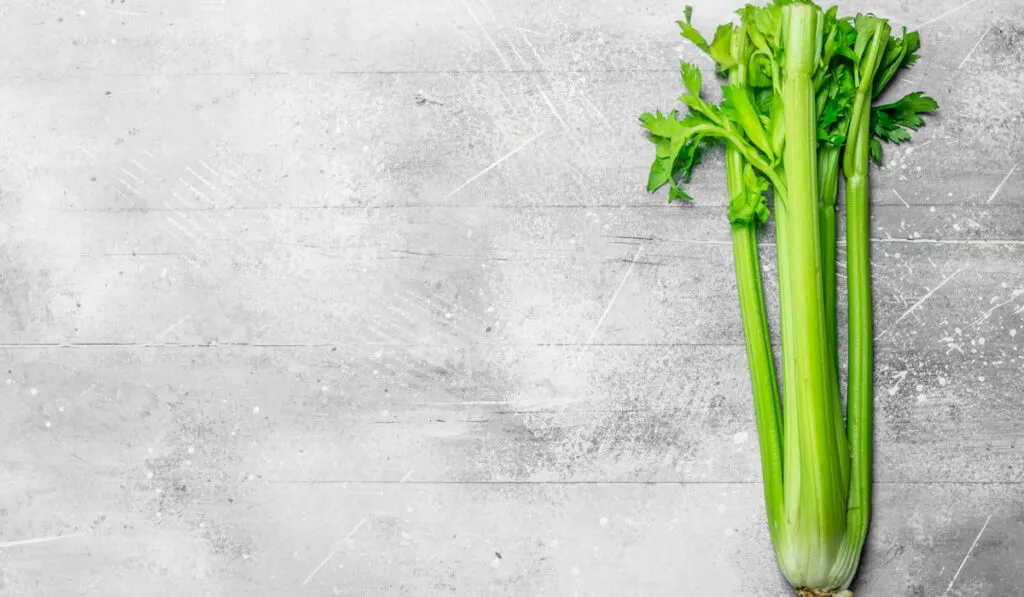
(797, 109)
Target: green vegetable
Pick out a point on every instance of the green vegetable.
(797, 109)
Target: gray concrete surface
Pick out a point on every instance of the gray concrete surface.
(365, 298)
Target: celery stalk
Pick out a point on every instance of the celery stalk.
(760, 359)
(860, 406)
(797, 105)
(828, 185)
(814, 493)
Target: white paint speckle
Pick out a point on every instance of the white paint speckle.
(149, 474)
(1013, 334)
(942, 381)
(9, 381)
(191, 449)
(33, 391)
(919, 387)
(447, 315)
(921, 398)
(722, 508)
(575, 571)
(740, 437)
(495, 563)
(981, 342)
(113, 42)
(603, 522)
(60, 409)
(385, 413)
(48, 425)
(729, 532)
(981, 378)
(255, 410)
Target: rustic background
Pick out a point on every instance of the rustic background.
(363, 298)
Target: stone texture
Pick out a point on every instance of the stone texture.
(356, 298)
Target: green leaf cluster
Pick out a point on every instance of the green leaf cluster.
(750, 115)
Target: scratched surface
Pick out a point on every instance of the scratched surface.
(363, 298)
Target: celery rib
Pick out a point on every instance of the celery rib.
(814, 499)
(796, 113)
(761, 361)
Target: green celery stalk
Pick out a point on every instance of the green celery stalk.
(760, 359)
(828, 187)
(797, 105)
(814, 492)
(860, 403)
(828, 184)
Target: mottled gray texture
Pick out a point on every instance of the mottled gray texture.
(366, 298)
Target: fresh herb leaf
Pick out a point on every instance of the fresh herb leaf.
(660, 125)
(893, 122)
(690, 32)
(900, 52)
(738, 108)
(679, 148)
(721, 49)
(692, 78)
(875, 148)
(748, 205)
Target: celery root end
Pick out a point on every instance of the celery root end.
(805, 592)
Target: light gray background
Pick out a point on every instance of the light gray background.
(366, 298)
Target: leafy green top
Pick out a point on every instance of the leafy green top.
(893, 122)
(749, 117)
